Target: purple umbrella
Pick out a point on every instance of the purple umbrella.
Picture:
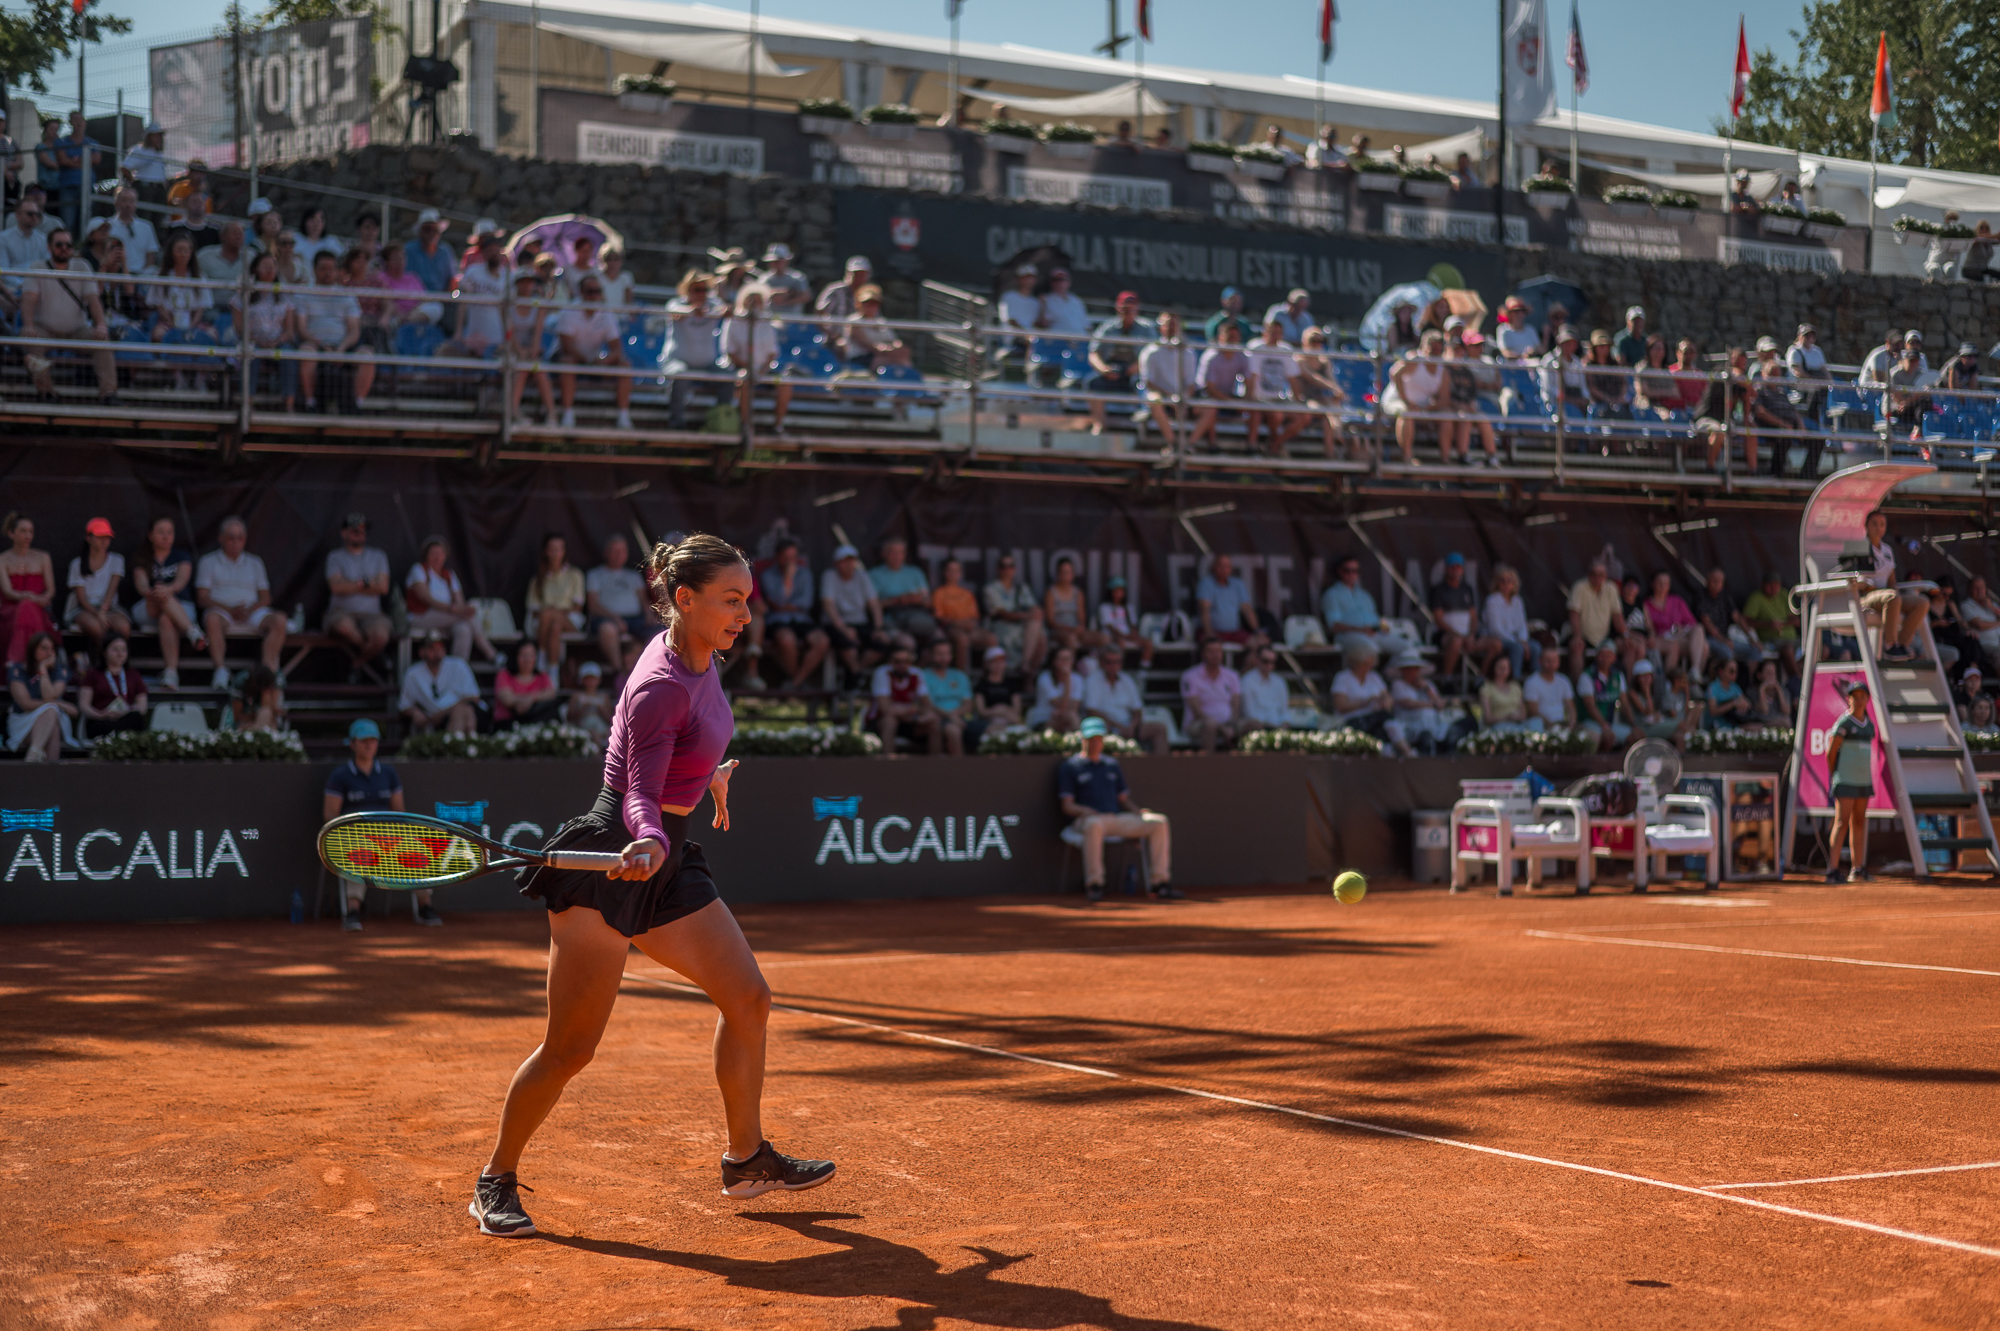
(558, 236)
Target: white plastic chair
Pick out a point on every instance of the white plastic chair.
(1304, 716)
(1508, 828)
(1690, 826)
(496, 618)
(1301, 630)
(185, 718)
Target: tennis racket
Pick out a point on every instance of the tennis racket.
(410, 851)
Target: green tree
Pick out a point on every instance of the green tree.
(32, 40)
(283, 13)
(1945, 58)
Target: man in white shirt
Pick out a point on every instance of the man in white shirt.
(1516, 337)
(482, 288)
(1293, 315)
(785, 291)
(1110, 693)
(147, 163)
(142, 243)
(1549, 694)
(1062, 309)
(1021, 308)
(439, 690)
(1267, 702)
(614, 597)
(1875, 369)
(22, 245)
(223, 262)
(62, 303)
(1167, 372)
(588, 334)
(234, 594)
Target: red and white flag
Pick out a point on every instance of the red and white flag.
(1740, 86)
(1882, 102)
(1329, 14)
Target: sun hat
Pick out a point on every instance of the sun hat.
(1634, 312)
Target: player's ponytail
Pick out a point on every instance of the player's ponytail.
(692, 562)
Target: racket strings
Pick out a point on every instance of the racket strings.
(388, 851)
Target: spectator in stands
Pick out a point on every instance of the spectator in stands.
(426, 254)
(1062, 309)
(589, 708)
(1608, 389)
(950, 694)
(112, 696)
(1360, 694)
(1274, 367)
(1516, 338)
(786, 292)
(1317, 388)
(1168, 371)
(1977, 266)
(524, 695)
(996, 699)
(196, 220)
(1065, 613)
(329, 320)
(142, 242)
(162, 574)
(1767, 613)
(357, 576)
(313, 240)
(1293, 316)
(1658, 391)
(1661, 714)
(1058, 701)
(436, 601)
(1324, 153)
(126, 310)
(1267, 702)
(1562, 374)
(270, 322)
(1807, 364)
(1114, 360)
(1875, 368)
(1350, 613)
(1673, 626)
(1981, 616)
(618, 284)
(1502, 708)
(1453, 606)
(1230, 316)
(1467, 374)
(588, 334)
(1600, 700)
(1630, 344)
(615, 601)
(1504, 617)
(1726, 400)
(439, 691)
(732, 277)
(837, 302)
(556, 599)
(1741, 201)
(1420, 726)
(741, 347)
(258, 702)
(1961, 373)
(23, 245)
(1224, 606)
(1416, 385)
(234, 593)
(65, 308)
(1906, 404)
(1771, 407)
(1638, 639)
(1715, 610)
(1728, 706)
(788, 592)
(956, 612)
(1596, 612)
(1021, 309)
(1274, 139)
(692, 348)
(1549, 694)
(1212, 694)
(94, 578)
(482, 287)
(526, 331)
(582, 264)
(1094, 796)
(1112, 696)
(266, 225)
(867, 338)
(144, 167)
(900, 699)
(40, 726)
(1118, 623)
(1221, 374)
(904, 594)
(1770, 703)
(223, 262)
(1014, 618)
(851, 612)
(27, 587)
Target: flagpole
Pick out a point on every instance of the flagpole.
(1575, 180)
(1139, 96)
(951, 92)
(1874, 139)
(1319, 102)
(1500, 124)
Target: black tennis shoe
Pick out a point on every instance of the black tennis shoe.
(768, 1171)
(496, 1205)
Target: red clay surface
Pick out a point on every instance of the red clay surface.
(265, 1125)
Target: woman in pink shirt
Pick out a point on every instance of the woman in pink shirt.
(668, 736)
(1674, 626)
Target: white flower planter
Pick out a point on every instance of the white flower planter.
(1547, 202)
(830, 126)
(1071, 150)
(1427, 189)
(883, 130)
(1257, 170)
(1823, 230)
(1378, 180)
(652, 103)
(1678, 216)
(1629, 209)
(1008, 143)
(1209, 162)
(1910, 237)
(1782, 226)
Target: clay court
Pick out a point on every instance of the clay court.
(1773, 1106)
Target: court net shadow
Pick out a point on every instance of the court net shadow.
(864, 1266)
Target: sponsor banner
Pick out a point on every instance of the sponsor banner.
(1312, 200)
(305, 85)
(1625, 238)
(1063, 187)
(1795, 258)
(1448, 224)
(1828, 704)
(881, 167)
(710, 154)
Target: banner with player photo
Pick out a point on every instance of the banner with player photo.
(306, 88)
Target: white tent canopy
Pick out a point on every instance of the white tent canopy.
(1763, 184)
(1120, 100)
(1959, 197)
(729, 52)
(1472, 142)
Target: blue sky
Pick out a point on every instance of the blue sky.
(1661, 63)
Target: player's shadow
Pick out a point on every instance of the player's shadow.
(864, 1266)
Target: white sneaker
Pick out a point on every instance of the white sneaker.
(624, 420)
(221, 680)
(568, 419)
(170, 679)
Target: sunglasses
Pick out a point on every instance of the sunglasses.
(60, 245)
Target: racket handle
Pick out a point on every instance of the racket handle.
(601, 861)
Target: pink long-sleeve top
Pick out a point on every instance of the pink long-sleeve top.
(668, 735)
(1667, 617)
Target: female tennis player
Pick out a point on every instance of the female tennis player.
(668, 734)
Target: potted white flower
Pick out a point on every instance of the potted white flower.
(1069, 139)
(829, 116)
(1009, 136)
(644, 93)
(890, 120)
(1260, 161)
(1548, 194)
(1426, 182)
(1629, 201)
(1782, 219)
(1909, 230)
(1825, 223)
(1208, 155)
(1676, 205)
(1383, 177)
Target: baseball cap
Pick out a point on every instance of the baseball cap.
(845, 552)
(1027, 270)
(1808, 328)
(258, 207)
(98, 527)
(1093, 727)
(1054, 273)
(1634, 312)
(1114, 582)
(429, 216)
(1601, 338)
(1642, 667)
(780, 250)
(485, 226)
(1125, 296)
(1298, 293)
(992, 652)
(1567, 334)
(590, 670)
(363, 728)
(1914, 335)
(1454, 322)
(355, 519)
(1228, 292)
(1767, 344)
(859, 264)
(1967, 349)
(155, 127)
(1454, 560)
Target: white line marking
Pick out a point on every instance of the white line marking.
(1853, 1178)
(1828, 919)
(1203, 946)
(1756, 952)
(1383, 1129)
(1723, 903)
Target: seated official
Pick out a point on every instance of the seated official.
(439, 691)
(1095, 797)
(364, 784)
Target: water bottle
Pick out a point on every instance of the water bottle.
(297, 623)
(298, 906)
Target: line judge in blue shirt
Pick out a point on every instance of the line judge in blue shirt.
(362, 784)
(1099, 804)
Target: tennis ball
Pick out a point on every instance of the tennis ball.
(1349, 888)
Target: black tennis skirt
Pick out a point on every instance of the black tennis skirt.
(678, 890)
(1853, 790)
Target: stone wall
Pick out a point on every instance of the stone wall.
(658, 210)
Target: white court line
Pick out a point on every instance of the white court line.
(1786, 919)
(1383, 1129)
(1756, 952)
(1855, 1178)
(1714, 903)
(1207, 945)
